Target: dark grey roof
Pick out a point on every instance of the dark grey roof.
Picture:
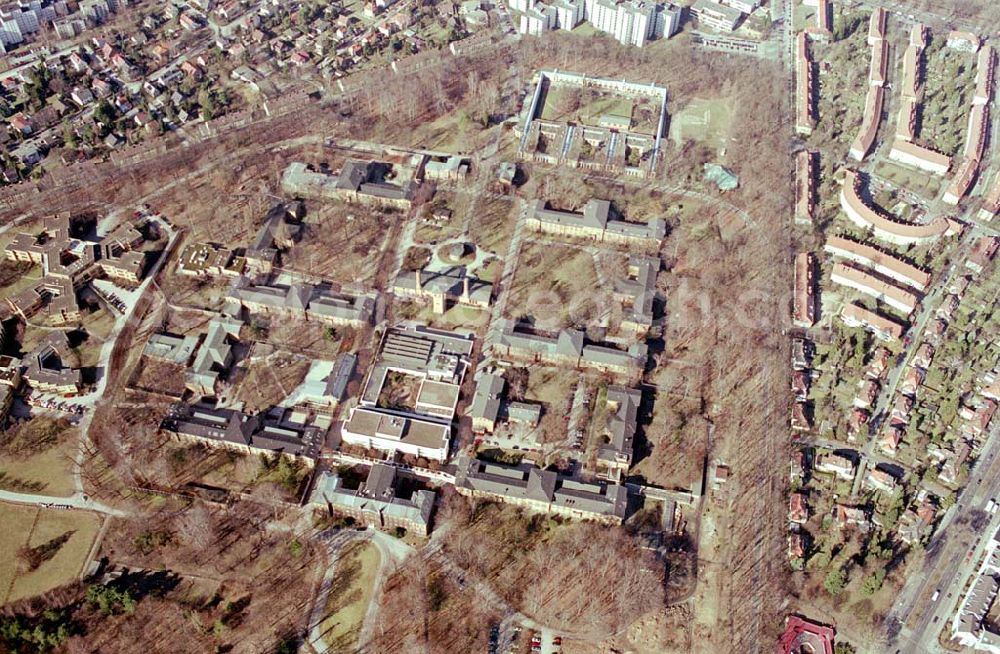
(230, 426)
(340, 377)
(544, 486)
(352, 175)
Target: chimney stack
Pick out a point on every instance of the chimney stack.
(465, 288)
(416, 276)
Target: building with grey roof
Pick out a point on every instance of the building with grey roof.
(251, 433)
(485, 407)
(437, 361)
(365, 182)
(213, 357)
(524, 413)
(172, 349)
(275, 235)
(449, 168)
(969, 625)
(636, 290)
(305, 302)
(568, 348)
(376, 501)
(615, 456)
(325, 384)
(595, 223)
(543, 491)
(716, 15)
(45, 371)
(452, 285)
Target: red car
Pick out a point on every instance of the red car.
(557, 640)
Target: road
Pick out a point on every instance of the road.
(928, 306)
(952, 555)
(334, 541)
(75, 501)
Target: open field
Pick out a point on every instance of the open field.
(57, 541)
(456, 316)
(914, 181)
(434, 232)
(15, 276)
(160, 376)
(556, 286)
(493, 224)
(708, 121)
(350, 595)
(37, 457)
(570, 104)
(590, 106)
(267, 380)
(200, 292)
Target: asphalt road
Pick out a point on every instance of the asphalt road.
(952, 555)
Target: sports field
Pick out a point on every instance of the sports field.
(702, 120)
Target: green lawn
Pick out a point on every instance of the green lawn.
(353, 587)
(923, 184)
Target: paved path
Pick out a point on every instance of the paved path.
(335, 541)
(75, 501)
(392, 552)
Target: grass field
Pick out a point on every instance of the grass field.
(925, 185)
(270, 380)
(456, 316)
(39, 458)
(564, 103)
(556, 286)
(205, 293)
(549, 386)
(348, 601)
(493, 224)
(62, 540)
(702, 120)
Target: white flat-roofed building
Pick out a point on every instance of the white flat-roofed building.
(716, 16)
(631, 22)
(387, 432)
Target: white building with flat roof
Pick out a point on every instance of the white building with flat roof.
(632, 22)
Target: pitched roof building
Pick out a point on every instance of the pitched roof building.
(804, 306)
(878, 260)
(376, 501)
(860, 280)
(595, 222)
(234, 429)
(543, 491)
(885, 227)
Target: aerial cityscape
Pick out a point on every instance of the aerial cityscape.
(500, 326)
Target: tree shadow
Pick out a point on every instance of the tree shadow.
(33, 557)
